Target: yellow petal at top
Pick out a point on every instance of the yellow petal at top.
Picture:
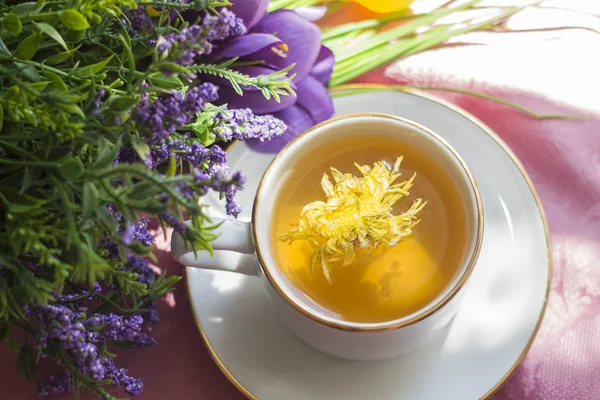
(384, 6)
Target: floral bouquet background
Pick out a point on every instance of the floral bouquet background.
(114, 114)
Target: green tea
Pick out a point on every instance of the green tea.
(390, 282)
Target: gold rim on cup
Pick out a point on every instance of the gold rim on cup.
(393, 325)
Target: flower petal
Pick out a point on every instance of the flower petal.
(314, 98)
(311, 13)
(302, 40)
(297, 121)
(323, 68)
(250, 11)
(245, 45)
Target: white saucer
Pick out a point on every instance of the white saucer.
(502, 307)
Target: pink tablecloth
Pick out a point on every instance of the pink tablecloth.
(563, 159)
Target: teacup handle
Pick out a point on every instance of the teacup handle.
(234, 237)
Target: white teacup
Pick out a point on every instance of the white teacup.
(357, 341)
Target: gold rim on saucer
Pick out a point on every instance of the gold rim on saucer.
(518, 164)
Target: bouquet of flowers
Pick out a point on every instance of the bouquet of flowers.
(113, 113)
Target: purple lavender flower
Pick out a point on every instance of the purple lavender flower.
(187, 44)
(65, 325)
(239, 178)
(113, 210)
(97, 101)
(164, 115)
(173, 222)
(243, 124)
(139, 21)
(223, 25)
(78, 337)
(231, 206)
(140, 266)
(128, 233)
(160, 153)
(83, 296)
(119, 377)
(141, 232)
(112, 247)
(116, 327)
(54, 385)
(127, 155)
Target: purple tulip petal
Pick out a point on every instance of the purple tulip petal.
(297, 121)
(253, 100)
(311, 13)
(302, 40)
(323, 68)
(314, 98)
(250, 11)
(244, 45)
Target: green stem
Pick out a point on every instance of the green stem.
(51, 69)
(350, 27)
(19, 150)
(43, 164)
(290, 4)
(362, 63)
(400, 31)
(144, 173)
(350, 89)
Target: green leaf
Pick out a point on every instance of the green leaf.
(12, 24)
(13, 92)
(26, 183)
(141, 148)
(53, 153)
(90, 199)
(61, 57)
(124, 345)
(26, 363)
(20, 202)
(56, 81)
(72, 168)
(106, 219)
(73, 109)
(1, 117)
(122, 103)
(28, 47)
(3, 330)
(3, 48)
(73, 19)
(53, 33)
(172, 166)
(206, 136)
(108, 152)
(127, 55)
(89, 70)
(39, 86)
(164, 82)
(74, 36)
(28, 71)
(173, 67)
(26, 9)
(65, 98)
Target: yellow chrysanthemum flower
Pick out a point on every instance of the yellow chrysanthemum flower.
(357, 215)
